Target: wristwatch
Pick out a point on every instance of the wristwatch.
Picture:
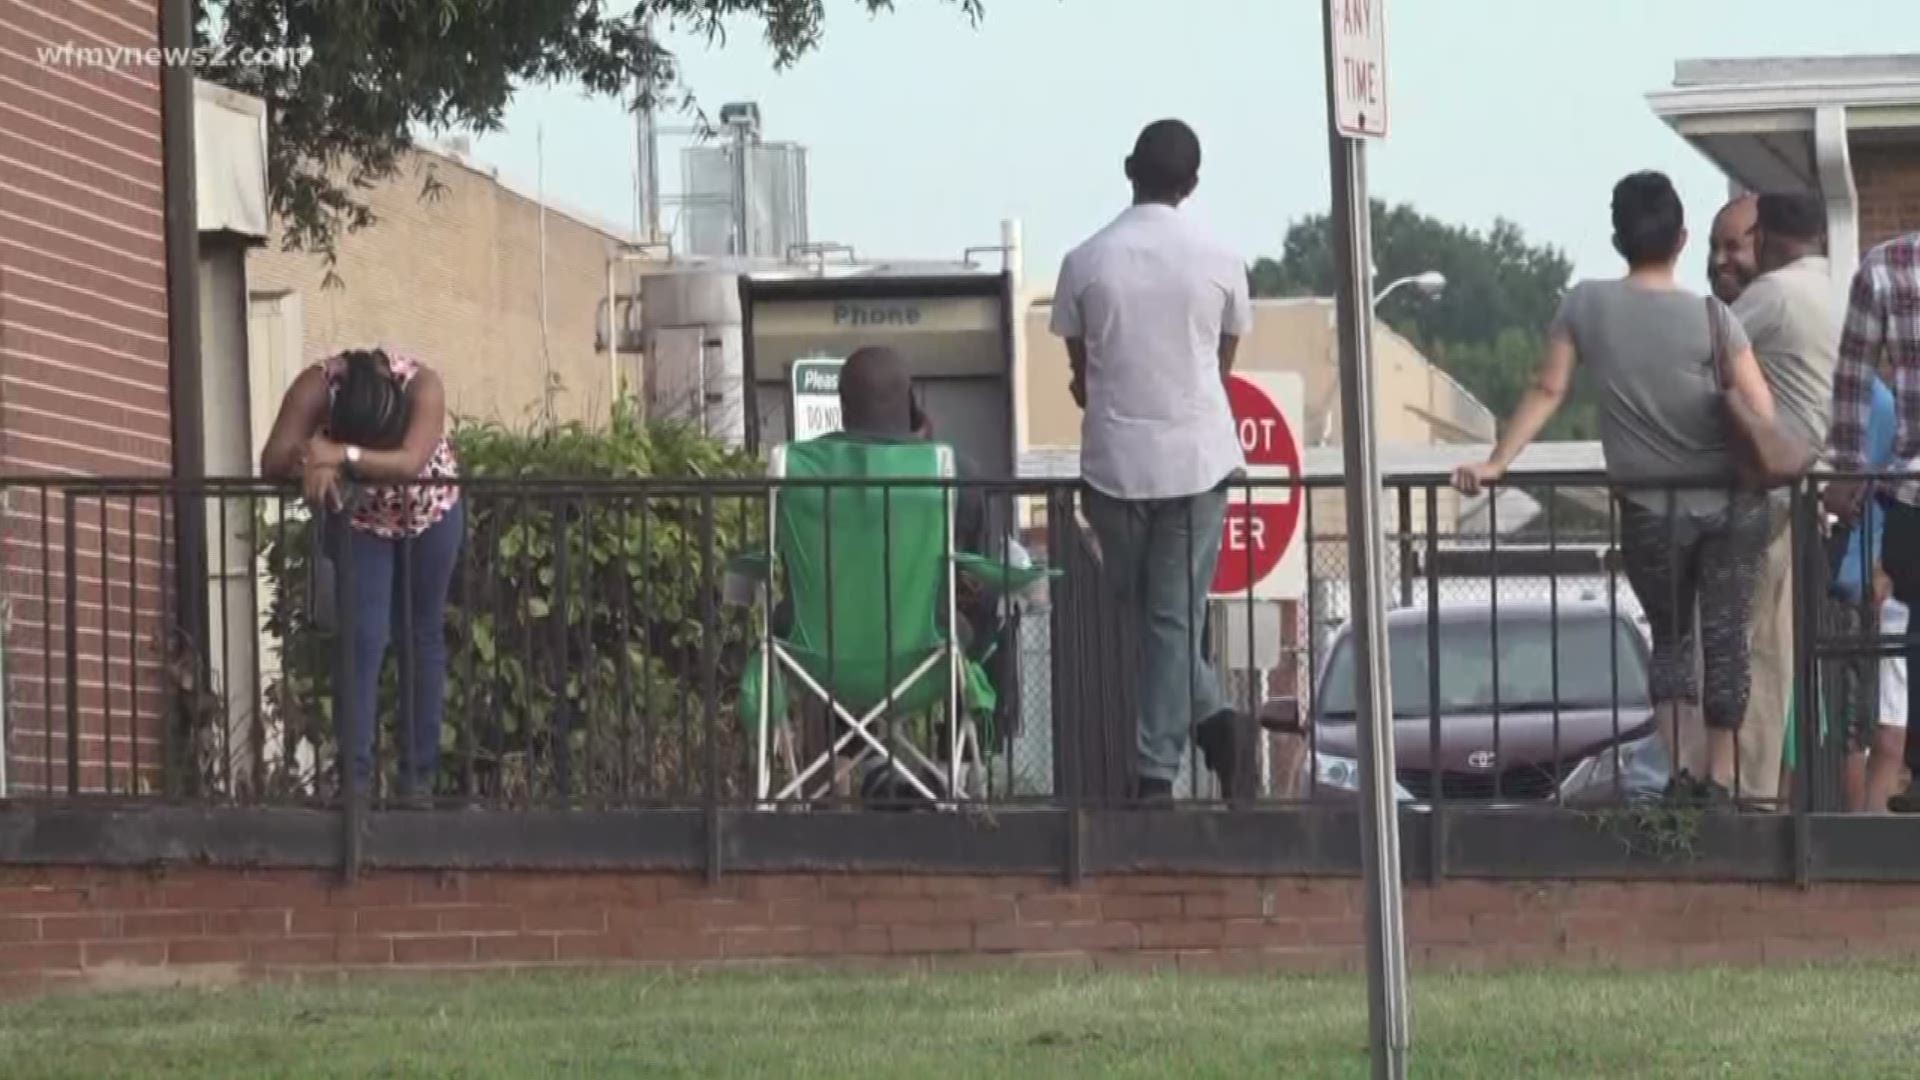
(353, 456)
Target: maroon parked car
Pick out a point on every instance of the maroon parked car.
(1490, 710)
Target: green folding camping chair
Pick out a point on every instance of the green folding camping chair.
(869, 571)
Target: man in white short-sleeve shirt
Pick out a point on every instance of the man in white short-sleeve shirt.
(1152, 310)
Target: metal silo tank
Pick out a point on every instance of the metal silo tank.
(690, 323)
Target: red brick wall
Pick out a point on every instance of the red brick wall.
(103, 928)
(83, 374)
(1888, 181)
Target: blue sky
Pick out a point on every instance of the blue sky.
(924, 133)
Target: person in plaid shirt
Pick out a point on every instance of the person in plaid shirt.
(1883, 322)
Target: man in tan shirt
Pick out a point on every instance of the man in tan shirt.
(1788, 313)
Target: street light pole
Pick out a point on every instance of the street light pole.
(1431, 284)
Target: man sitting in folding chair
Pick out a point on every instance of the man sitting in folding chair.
(869, 624)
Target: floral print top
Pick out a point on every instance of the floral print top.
(399, 513)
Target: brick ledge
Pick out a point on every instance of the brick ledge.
(98, 928)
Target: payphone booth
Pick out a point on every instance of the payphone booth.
(953, 330)
(955, 333)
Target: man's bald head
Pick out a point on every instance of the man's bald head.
(1733, 260)
(876, 393)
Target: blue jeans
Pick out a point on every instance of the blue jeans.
(395, 589)
(1160, 556)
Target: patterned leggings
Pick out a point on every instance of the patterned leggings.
(1676, 560)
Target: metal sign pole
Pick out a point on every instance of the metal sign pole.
(1379, 813)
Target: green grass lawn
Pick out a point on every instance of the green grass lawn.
(1840, 1023)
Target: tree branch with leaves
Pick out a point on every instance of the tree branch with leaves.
(374, 72)
(1488, 328)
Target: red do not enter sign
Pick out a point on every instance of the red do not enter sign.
(1262, 519)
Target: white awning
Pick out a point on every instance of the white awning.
(1792, 124)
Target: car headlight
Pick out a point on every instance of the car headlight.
(1633, 771)
(1343, 774)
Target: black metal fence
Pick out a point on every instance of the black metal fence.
(603, 648)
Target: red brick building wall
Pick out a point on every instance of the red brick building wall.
(1887, 178)
(115, 928)
(83, 377)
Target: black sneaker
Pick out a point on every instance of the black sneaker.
(1683, 791)
(1227, 743)
(1906, 802)
(1714, 797)
(1690, 792)
(1151, 791)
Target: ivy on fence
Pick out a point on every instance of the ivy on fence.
(575, 627)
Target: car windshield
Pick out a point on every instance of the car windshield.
(1528, 678)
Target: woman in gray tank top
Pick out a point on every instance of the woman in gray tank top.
(1687, 534)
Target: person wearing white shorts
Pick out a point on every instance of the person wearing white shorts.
(1875, 767)
(1893, 671)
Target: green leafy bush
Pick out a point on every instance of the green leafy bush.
(576, 668)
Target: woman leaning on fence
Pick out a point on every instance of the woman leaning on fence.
(364, 432)
(1689, 532)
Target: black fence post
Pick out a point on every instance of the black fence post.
(1404, 525)
(106, 654)
(469, 697)
(562, 668)
(353, 795)
(72, 659)
(1062, 538)
(710, 683)
(257, 721)
(1437, 817)
(191, 630)
(172, 778)
(1806, 696)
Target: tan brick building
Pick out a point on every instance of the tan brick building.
(452, 270)
(1416, 403)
